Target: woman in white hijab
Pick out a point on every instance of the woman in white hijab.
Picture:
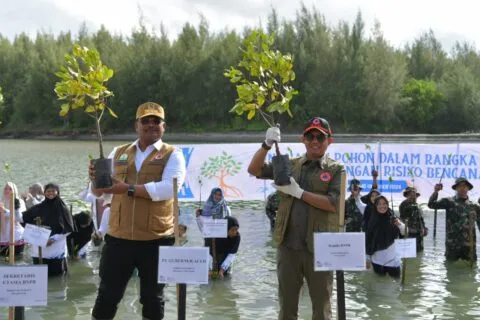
(19, 206)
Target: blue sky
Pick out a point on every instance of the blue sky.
(401, 21)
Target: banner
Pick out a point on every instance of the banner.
(419, 165)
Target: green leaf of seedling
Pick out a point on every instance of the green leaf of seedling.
(368, 147)
(410, 173)
(290, 151)
(113, 114)
(390, 179)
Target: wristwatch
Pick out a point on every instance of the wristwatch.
(131, 190)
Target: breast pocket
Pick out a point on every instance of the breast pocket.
(152, 172)
(320, 181)
(121, 171)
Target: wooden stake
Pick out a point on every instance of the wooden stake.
(404, 260)
(38, 221)
(341, 308)
(471, 228)
(181, 287)
(11, 245)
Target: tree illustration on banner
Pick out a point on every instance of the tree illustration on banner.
(221, 167)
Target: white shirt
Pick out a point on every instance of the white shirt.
(103, 229)
(87, 196)
(57, 250)
(360, 205)
(175, 167)
(5, 227)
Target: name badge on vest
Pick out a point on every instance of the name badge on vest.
(157, 159)
(123, 159)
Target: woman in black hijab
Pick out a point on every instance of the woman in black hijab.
(383, 229)
(225, 248)
(53, 213)
(368, 200)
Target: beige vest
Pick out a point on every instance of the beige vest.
(136, 218)
(318, 220)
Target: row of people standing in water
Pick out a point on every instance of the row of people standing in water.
(71, 234)
(49, 211)
(359, 209)
(372, 214)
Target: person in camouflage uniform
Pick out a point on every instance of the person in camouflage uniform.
(412, 215)
(354, 208)
(459, 212)
(271, 208)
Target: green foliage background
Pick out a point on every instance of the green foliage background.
(359, 83)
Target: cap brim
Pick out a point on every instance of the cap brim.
(151, 114)
(470, 186)
(322, 130)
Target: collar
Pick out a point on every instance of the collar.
(157, 145)
(320, 162)
(461, 199)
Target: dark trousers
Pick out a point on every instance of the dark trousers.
(119, 258)
(56, 267)
(5, 250)
(383, 270)
(293, 266)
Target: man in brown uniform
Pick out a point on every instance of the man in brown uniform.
(309, 204)
(141, 215)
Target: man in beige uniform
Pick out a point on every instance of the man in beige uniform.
(141, 215)
(307, 205)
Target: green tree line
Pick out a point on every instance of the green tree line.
(359, 82)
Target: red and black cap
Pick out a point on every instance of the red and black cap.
(319, 124)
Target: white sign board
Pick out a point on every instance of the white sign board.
(36, 235)
(406, 248)
(23, 285)
(183, 265)
(215, 228)
(339, 251)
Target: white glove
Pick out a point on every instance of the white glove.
(272, 136)
(292, 189)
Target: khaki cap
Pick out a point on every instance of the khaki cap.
(150, 109)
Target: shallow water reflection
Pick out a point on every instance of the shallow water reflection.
(433, 289)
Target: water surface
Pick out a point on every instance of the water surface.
(433, 289)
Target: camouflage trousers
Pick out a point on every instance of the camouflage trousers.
(456, 253)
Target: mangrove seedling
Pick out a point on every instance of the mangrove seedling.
(83, 85)
(263, 80)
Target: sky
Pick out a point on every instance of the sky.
(401, 21)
